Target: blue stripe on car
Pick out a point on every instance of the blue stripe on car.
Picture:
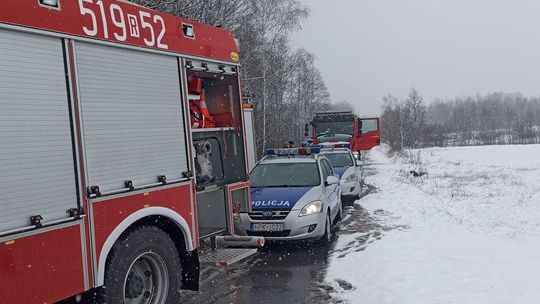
(277, 198)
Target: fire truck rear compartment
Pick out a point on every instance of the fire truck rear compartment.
(219, 151)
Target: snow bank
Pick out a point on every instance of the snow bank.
(465, 233)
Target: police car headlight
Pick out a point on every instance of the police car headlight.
(350, 178)
(311, 208)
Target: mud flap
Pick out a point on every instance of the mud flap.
(190, 271)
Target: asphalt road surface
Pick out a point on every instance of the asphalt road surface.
(281, 273)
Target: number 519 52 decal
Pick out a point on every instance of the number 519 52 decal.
(123, 24)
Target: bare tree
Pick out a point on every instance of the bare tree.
(285, 83)
(413, 116)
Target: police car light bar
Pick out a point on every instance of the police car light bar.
(293, 151)
(335, 146)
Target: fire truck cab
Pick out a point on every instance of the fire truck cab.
(330, 128)
(107, 178)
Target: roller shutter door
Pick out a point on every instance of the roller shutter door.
(37, 174)
(132, 116)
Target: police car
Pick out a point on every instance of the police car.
(347, 167)
(295, 196)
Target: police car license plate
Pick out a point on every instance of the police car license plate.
(267, 227)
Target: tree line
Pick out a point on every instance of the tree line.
(495, 118)
(284, 83)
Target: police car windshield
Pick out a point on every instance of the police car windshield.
(340, 159)
(285, 175)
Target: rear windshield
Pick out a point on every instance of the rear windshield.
(340, 159)
(285, 175)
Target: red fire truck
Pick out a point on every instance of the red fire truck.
(333, 128)
(108, 176)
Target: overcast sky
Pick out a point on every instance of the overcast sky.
(367, 49)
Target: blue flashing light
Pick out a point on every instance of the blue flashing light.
(270, 152)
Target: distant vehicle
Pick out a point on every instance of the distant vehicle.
(344, 127)
(349, 170)
(295, 196)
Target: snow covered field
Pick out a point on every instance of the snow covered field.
(468, 232)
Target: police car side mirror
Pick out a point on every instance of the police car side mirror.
(332, 180)
(359, 163)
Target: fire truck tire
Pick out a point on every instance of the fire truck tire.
(143, 267)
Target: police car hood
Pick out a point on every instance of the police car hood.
(283, 197)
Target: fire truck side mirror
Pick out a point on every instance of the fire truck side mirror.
(360, 127)
(306, 128)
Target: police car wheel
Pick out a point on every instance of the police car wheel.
(339, 216)
(327, 237)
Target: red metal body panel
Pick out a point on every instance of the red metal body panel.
(121, 22)
(108, 214)
(35, 269)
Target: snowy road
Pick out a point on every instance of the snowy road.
(468, 232)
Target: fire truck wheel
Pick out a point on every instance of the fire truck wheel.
(143, 268)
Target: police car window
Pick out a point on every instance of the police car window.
(285, 175)
(327, 169)
(324, 170)
(340, 159)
